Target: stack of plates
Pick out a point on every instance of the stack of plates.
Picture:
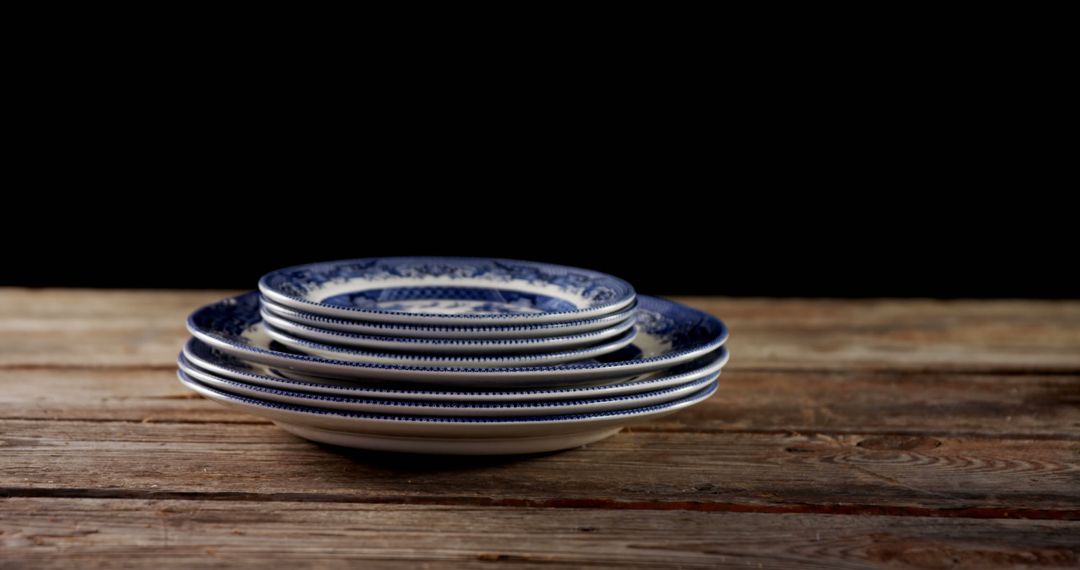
(451, 355)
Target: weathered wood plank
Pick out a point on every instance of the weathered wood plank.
(831, 403)
(142, 395)
(62, 533)
(94, 308)
(900, 334)
(641, 470)
(115, 328)
(133, 328)
(888, 402)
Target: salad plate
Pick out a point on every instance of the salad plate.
(451, 360)
(449, 346)
(444, 291)
(445, 434)
(436, 408)
(542, 330)
(223, 365)
(668, 334)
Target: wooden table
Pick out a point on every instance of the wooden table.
(846, 434)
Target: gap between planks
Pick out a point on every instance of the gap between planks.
(1020, 513)
(636, 428)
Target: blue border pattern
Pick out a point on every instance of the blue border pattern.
(599, 289)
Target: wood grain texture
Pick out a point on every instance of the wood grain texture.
(106, 394)
(876, 334)
(938, 403)
(845, 434)
(57, 533)
(91, 328)
(634, 470)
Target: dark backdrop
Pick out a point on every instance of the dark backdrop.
(667, 242)
(867, 180)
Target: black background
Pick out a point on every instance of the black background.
(663, 241)
(783, 181)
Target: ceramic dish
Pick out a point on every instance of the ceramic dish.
(458, 359)
(445, 434)
(448, 332)
(435, 408)
(224, 365)
(445, 291)
(669, 334)
(446, 346)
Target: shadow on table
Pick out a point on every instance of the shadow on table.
(427, 462)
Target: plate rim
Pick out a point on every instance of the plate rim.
(628, 294)
(610, 319)
(701, 382)
(630, 413)
(464, 374)
(608, 346)
(718, 364)
(622, 326)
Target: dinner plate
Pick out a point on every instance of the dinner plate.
(445, 434)
(448, 346)
(451, 361)
(446, 408)
(227, 366)
(542, 330)
(447, 291)
(669, 334)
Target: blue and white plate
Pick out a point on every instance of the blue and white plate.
(445, 291)
(332, 352)
(435, 408)
(669, 334)
(445, 434)
(450, 354)
(229, 367)
(543, 330)
(605, 337)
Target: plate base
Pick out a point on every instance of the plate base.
(449, 446)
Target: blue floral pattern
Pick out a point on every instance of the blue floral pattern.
(595, 288)
(449, 300)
